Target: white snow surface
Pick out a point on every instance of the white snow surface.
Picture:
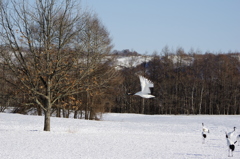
(117, 136)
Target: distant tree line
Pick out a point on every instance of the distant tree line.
(184, 83)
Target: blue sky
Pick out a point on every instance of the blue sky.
(146, 26)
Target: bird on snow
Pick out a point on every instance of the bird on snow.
(145, 88)
(230, 134)
(204, 131)
(204, 128)
(230, 145)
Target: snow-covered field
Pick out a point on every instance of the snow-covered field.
(117, 136)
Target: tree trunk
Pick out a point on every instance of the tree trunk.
(47, 120)
(192, 101)
(143, 106)
(91, 114)
(58, 112)
(200, 103)
(39, 111)
(75, 114)
(47, 113)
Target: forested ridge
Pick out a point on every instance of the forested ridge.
(184, 83)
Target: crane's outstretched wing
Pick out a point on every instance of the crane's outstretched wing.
(145, 85)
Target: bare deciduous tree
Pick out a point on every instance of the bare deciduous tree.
(54, 50)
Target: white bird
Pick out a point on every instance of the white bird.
(230, 134)
(204, 131)
(145, 88)
(231, 146)
(204, 128)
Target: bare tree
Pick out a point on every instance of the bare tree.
(43, 55)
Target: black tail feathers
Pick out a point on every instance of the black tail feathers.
(232, 147)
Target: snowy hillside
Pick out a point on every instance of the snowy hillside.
(131, 61)
(117, 136)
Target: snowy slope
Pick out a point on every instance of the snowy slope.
(117, 136)
(131, 61)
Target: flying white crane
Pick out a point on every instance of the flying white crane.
(145, 88)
